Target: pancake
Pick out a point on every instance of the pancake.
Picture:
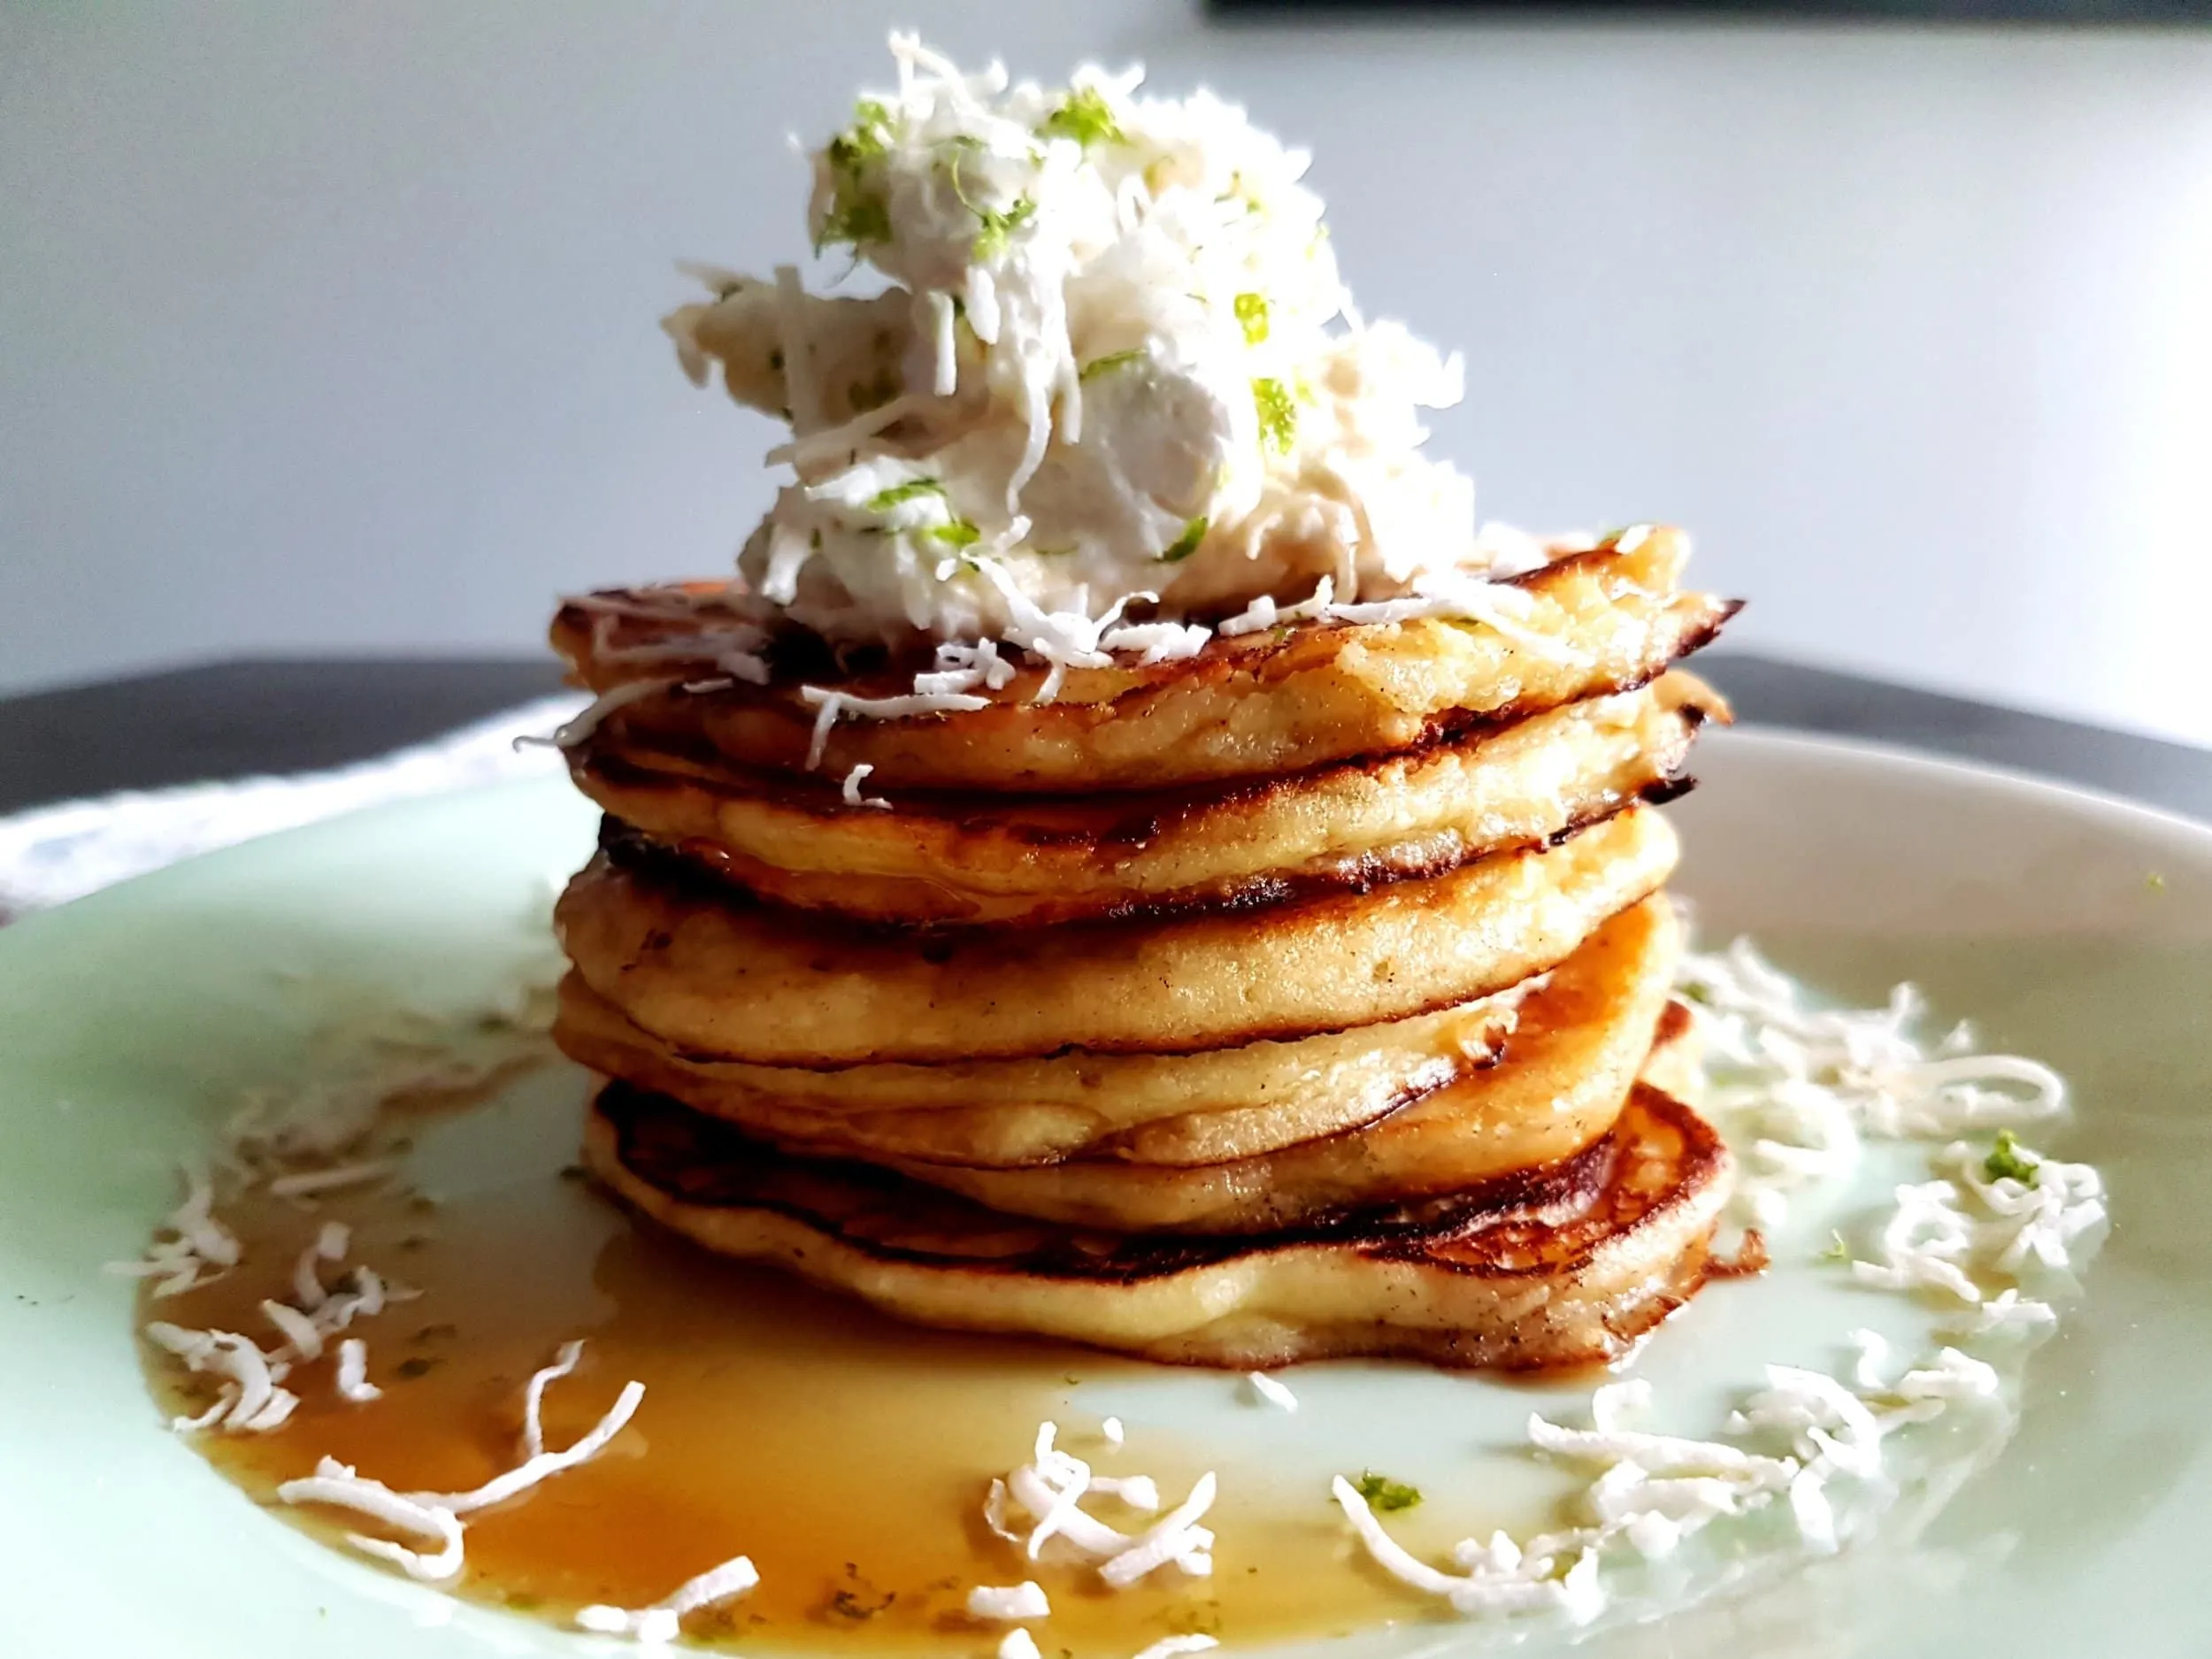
(1173, 1110)
(1559, 1086)
(954, 859)
(1551, 1086)
(1261, 704)
(1566, 1265)
(717, 973)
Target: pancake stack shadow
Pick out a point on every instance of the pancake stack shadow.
(1307, 997)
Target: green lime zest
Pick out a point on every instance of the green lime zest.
(1383, 1494)
(868, 138)
(1106, 365)
(999, 227)
(1084, 117)
(1279, 414)
(1251, 310)
(861, 217)
(884, 500)
(2006, 1159)
(998, 224)
(859, 212)
(1185, 544)
(959, 533)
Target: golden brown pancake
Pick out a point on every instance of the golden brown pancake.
(1559, 1086)
(1261, 704)
(715, 973)
(1164, 1109)
(1556, 1084)
(964, 859)
(1565, 1265)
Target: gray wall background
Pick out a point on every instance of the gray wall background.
(330, 326)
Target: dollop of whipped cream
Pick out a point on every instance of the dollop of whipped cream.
(1111, 365)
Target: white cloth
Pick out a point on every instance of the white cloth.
(52, 854)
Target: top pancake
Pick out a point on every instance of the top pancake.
(1599, 621)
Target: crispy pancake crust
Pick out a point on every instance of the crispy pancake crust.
(1566, 1265)
(717, 973)
(1258, 705)
(960, 858)
(1555, 1085)
(1173, 1109)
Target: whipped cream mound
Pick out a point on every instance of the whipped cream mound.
(1111, 365)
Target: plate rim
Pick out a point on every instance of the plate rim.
(2087, 802)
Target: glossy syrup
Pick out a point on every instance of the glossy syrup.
(847, 1453)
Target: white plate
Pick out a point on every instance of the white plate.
(2068, 926)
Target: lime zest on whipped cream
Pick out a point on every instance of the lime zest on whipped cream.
(2007, 1162)
(1106, 333)
(1184, 544)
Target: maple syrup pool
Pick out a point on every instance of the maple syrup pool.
(847, 1453)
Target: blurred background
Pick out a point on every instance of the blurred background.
(331, 328)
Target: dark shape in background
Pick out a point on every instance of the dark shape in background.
(1582, 11)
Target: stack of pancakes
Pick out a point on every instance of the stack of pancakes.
(1309, 996)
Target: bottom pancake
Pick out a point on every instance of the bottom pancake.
(1564, 1265)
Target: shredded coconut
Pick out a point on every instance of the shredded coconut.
(1113, 353)
(1157, 641)
(664, 1620)
(1171, 1646)
(300, 1333)
(1270, 1391)
(853, 797)
(1953, 1376)
(574, 730)
(1790, 1441)
(330, 1244)
(1795, 1087)
(437, 1516)
(543, 1465)
(1111, 1430)
(1018, 1644)
(1175, 1538)
(564, 1361)
(1138, 1492)
(199, 1248)
(353, 1382)
(996, 1512)
(1658, 1454)
(1873, 1355)
(313, 1183)
(652, 1625)
(225, 1397)
(830, 705)
(1494, 1578)
(1264, 613)
(1944, 1232)
(337, 1485)
(1025, 1600)
(1049, 1490)
(2007, 1313)
(258, 1404)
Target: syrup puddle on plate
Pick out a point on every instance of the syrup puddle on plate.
(847, 1453)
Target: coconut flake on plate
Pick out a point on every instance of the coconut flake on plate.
(663, 1622)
